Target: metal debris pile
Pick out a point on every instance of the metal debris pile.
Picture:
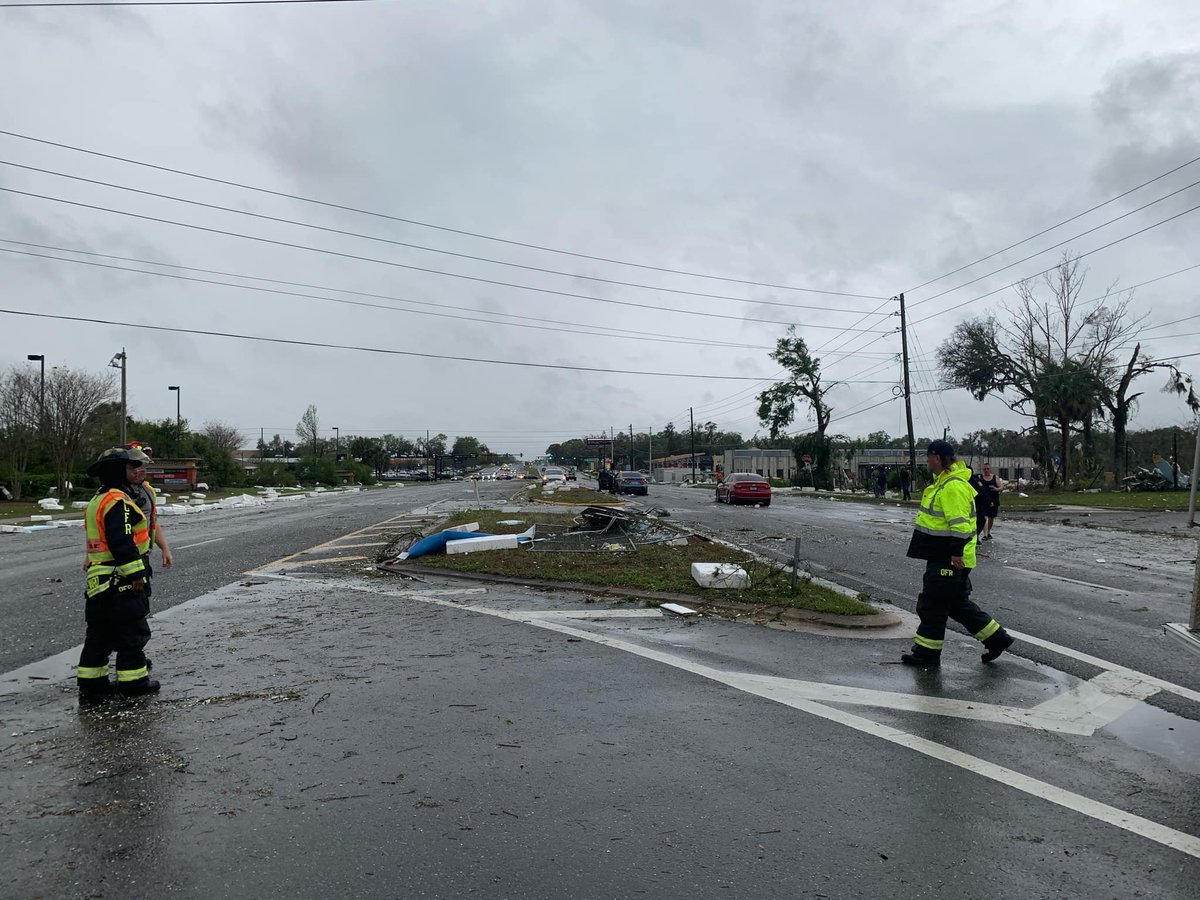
(600, 529)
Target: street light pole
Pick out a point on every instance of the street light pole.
(337, 445)
(178, 421)
(118, 362)
(41, 358)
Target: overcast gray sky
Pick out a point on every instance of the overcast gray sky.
(857, 148)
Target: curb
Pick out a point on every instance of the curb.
(778, 613)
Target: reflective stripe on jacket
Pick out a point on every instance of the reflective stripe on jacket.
(113, 559)
(945, 523)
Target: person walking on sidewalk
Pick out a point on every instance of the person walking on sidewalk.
(944, 536)
(117, 591)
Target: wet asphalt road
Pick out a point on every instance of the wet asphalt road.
(1106, 593)
(336, 734)
(41, 601)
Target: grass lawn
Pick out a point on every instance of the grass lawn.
(656, 567)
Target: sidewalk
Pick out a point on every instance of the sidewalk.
(366, 736)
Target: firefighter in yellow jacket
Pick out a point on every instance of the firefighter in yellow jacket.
(944, 536)
(118, 580)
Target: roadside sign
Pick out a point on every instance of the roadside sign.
(806, 459)
(592, 442)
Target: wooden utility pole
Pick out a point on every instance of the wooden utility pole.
(912, 447)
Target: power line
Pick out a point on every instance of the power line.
(411, 246)
(392, 218)
(1052, 268)
(170, 3)
(385, 262)
(390, 352)
(638, 336)
(1059, 244)
(1053, 227)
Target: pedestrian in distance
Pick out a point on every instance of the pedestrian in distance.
(989, 501)
(944, 536)
(117, 591)
(880, 481)
(906, 482)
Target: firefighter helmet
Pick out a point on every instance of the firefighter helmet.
(117, 455)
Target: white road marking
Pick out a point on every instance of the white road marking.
(1160, 683)
(782, 691)
(1099, 587)
(199, 544)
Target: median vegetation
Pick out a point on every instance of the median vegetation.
(651, 567)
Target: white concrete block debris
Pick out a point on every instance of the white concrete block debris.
(199, 496)
(677, 609)
(470, 526)
(79, 504)
(491, 542)
(201, 486)
(41, 518)
(50, 503)
(511, 522)
(678, 542)
(720, 575)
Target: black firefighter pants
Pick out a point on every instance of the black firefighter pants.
(946, 593)
(116, 623)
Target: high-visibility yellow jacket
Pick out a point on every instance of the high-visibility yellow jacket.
(945, 525)
(118, 541)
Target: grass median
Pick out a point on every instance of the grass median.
(655, 567)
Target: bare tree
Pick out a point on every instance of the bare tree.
(1048, 359)
(71, 399)
(223, 437)
(19, 415)
(308, 429)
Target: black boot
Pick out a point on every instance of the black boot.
(997, 644)
(921, 658)
(95, 690)
(139, 687)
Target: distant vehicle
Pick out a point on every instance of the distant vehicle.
(632, 483)
(571, 475)
(744, 487)
(553, 473)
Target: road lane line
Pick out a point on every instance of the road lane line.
(199, 544)
(1160, 683)
(1099, 587)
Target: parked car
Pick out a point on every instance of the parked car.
(632, 483)
(744, 487)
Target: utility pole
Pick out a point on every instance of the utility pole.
(692, 420)
(630, 446)
(912, 446)
(1175, 458)
(650, 453)
(1192, 494)
(178, 422)
(118, 362)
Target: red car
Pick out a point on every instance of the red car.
(744, 487)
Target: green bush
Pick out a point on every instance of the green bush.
(221, 471)
(273, 475)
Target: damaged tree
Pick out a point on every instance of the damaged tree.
(777, 404)
(1054, 361)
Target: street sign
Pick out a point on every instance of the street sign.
(806, 459)
(593, 442)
